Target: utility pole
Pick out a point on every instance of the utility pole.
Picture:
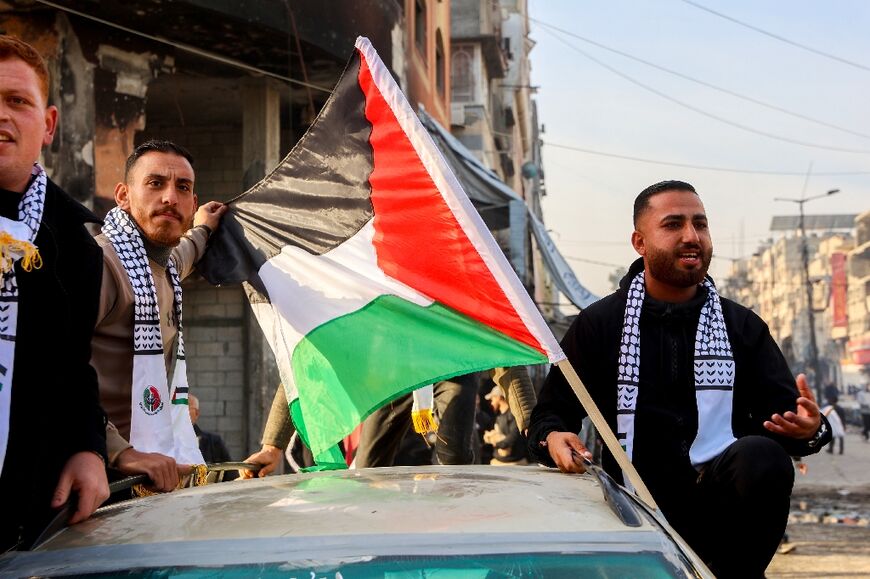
(811, 317)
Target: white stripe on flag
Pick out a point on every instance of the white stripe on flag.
(308, 291)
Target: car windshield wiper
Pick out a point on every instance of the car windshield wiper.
(614, 496)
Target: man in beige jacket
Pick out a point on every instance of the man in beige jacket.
(158, 195)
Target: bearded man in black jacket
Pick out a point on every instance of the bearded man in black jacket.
(52, 429)
(696, 389)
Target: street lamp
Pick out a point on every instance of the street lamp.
(811, 317)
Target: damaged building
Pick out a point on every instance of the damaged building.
(238, 83)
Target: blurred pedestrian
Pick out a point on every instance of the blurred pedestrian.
(838, 430)
(505, 437)
(864, 403)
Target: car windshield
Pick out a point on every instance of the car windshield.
(639, 565)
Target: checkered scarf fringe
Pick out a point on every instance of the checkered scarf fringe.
(30, 210)
(713, 369)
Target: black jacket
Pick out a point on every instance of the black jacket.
(513, 445)
(55, 401)
(666, 420)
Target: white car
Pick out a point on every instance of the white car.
(390, 523)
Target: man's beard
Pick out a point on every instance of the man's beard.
(163, 235)
(663, 266)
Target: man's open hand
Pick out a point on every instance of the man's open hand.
(803, 424)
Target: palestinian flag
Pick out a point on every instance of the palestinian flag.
(367, 267)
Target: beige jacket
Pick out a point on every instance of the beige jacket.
(112, 344)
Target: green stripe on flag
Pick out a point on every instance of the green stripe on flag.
(352, 365)
(329, 459)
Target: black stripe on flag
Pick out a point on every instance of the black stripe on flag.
(318, 197)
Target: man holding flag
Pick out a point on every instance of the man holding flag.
(138, 349)
(697, 391)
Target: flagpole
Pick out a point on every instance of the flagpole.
(606, 433)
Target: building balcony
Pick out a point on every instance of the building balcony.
(480, 21)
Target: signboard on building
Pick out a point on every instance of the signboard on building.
(838, 291)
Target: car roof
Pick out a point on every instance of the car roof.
(357, 515)
(400, 500)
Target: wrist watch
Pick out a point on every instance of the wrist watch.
(817, 437)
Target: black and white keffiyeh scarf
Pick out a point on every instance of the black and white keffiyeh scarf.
(154, 426)
(17, 242)
(714, 375)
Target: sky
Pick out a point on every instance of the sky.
(582, 104)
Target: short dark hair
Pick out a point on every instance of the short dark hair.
(641, 202)
(11, 47)
(155, 146)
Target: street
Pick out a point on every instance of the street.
(829, 525)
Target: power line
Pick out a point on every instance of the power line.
(608, 264)
(700, 167)
(702, 82)
(585, 242)
(624, 243)
(593, 262)
(702, 111)
(187, 48)
(778, 37)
